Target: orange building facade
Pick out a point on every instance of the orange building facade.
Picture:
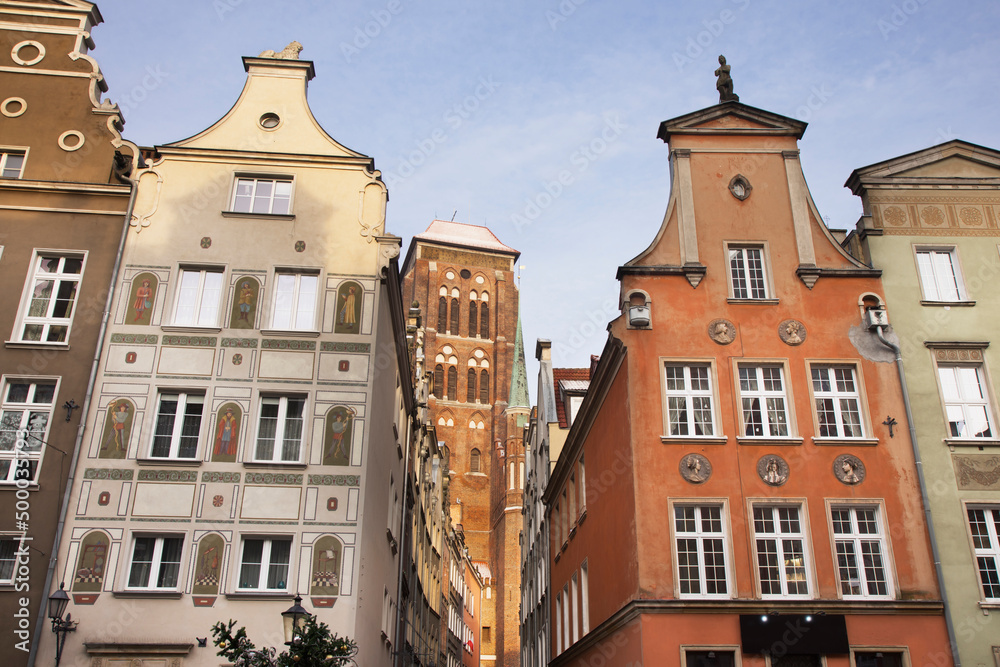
(750, 495)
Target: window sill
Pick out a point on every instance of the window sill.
(694, 439)
(162, 595)
(290, 333)
(178, 328)
(984, 604)
(187, 463)
(972, 442)
(758, 302)
(293, 465)
(959, 304)
(258, 216)
(583, 515)
(752, 440)
(572, 531)
(260, 595)
(34, 345)
(863, 442)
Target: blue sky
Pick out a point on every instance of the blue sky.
(478, 107)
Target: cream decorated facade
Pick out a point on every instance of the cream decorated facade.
(247, 434)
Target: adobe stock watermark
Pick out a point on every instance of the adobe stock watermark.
(364, 34)
(140, 92)
(698, 44)
(22, 556)
(898, 17)
(566, 9)
(454, 117)
(580, 160)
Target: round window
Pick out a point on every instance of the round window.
(269, 121)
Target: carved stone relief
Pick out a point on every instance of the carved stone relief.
(695, 468)
(773, 470)
(849, 469)
(722, 331)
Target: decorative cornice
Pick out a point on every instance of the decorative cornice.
(338, 346)
(168, 475)
(108, 473)
(225, 477)
(138, 339)
(239, 342)
(281, 344)
(191, 341)
(273, 478)
(335, 480)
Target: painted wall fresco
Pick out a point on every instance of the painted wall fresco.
(325, 577)
(141, 299)
(245, 298)
(208, 566)
(117, 429)
(337, 436)
(349, 298)
(227, 433)
(91, 564)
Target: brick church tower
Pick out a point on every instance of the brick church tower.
(462, 277)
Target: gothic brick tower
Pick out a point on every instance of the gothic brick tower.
(462, 277)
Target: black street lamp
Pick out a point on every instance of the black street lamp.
(294, 619)
(57, 605)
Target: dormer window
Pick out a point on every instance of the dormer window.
(265, 196)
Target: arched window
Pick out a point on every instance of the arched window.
(474, 461)
(438, 388)
(484, 386)
(484, 320)
(452, 383)
(473, 318)
(442, 313)
(470, 392)
(455, 310)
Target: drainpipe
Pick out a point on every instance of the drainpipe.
(923, 492)
(78, 445)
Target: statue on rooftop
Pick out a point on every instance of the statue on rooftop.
(725, 83)
(290, 52)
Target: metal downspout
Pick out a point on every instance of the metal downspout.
(74, 459)
(923, 493)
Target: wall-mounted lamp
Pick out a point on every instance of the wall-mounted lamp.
(57, 606)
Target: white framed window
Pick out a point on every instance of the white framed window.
(940, 277)
(279, 429)
(748, 277)
(268, 195)
(8, 558)
(178, 425)
(264, 564)
(156, 562)
(50, 297)
(984, 526)
(11, 163)
(688, 389)
(763, 402)
(837, 399)
(966, 401)
(700, 540)
(859, 541)
(780, 546)
(25, 415)
(294, 301)
(199, 292)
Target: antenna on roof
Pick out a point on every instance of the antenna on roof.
(453, 215)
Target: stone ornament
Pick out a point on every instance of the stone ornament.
(724, 83)
(722, 331)
(12, 107)
(71, 140)
(290, 52)
(740, 187)
(695, 468)
(206, 242)
(977, 472)
(849, 469)
(772, 470)
(300, 246)
(792, 332)
(34, 58)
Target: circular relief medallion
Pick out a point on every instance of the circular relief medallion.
(300, 246)
(12, 107)
(217, 501)
(237, 359)
(792, 332)
(206, 241)
(894, 215)
(722, 331)
(71, 140)
(971, 216)
(695, 468)
(849, 469)
(932, 215)
(773, 470)
(28, 52)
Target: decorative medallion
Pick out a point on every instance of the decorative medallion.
(977, 472)
(695, 468)
(71, 140)
(959, 355)
(722, 331)
(740, 187)
(344, 365)
(465, 273)
(300, 246)
(792, 332)
(895, 216)
(773, 470)
(237, 359)
(849, 469)
(971, 216)
(932, 216)
(130, 357)
(217, 501)
(331, 504)
(104, 499)
(33, 52)
(206, 242)
(12, 107)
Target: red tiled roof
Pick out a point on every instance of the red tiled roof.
(572, 374)
(461, 234)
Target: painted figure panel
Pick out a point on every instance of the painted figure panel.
(141, 299)
(244, 313)
(208, 567)
(91, 564)
(117, 429)
(348, 308)
(337, 436)
(325, 578)
(227, 433)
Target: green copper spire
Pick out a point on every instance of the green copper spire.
(519, 373)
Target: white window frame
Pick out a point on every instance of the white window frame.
(701, 536)
(9, 546)
(203, 306)
(985, 556)
(965, 403)
(32, 448)
(763, 290)
(48, 321)
(762, 395)
(176, 432)
(281, 424)
(156, 564)
(936, 285)
(780, 537)
(255, 180)
(838, 393)
(297, 300)
(265, 562)
(5, 155)
(856, 540)
(688, 394)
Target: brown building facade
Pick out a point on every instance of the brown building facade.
(65, 198)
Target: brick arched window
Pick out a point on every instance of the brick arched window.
(455, 311)
(438, 388)
(442, 313)
(484, 320)
(470, 393)
(475, 461)
(452, 383)
(473, 318)
(484, 386)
